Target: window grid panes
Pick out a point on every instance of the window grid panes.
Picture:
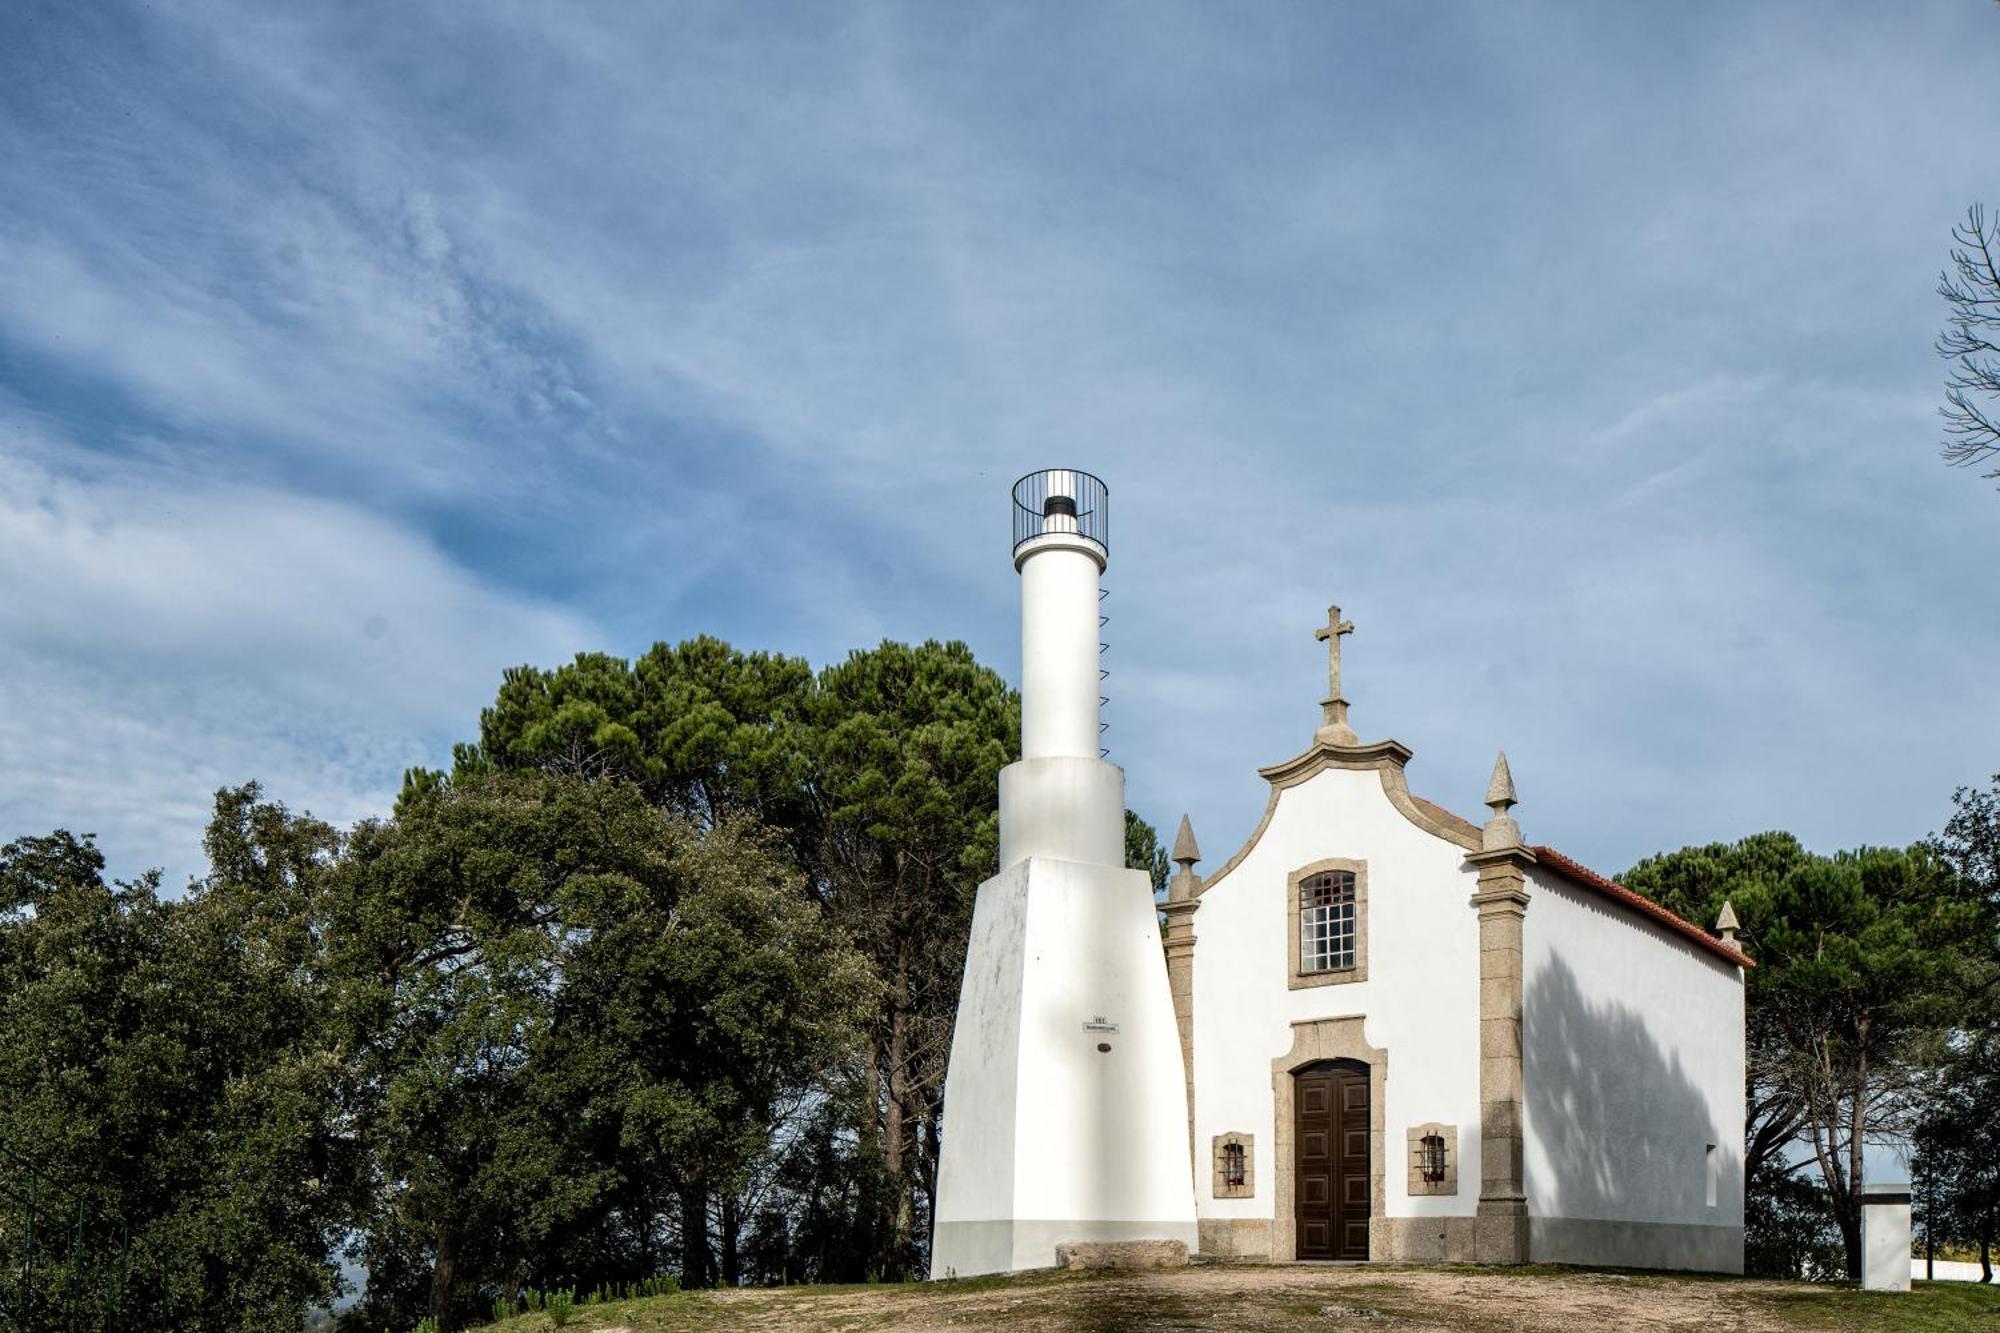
(1326, 921)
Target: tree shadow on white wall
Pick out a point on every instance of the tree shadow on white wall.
(1625, 1129)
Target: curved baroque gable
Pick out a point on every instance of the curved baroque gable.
(1387, 759)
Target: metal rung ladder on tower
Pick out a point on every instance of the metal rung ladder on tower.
(1103, 700)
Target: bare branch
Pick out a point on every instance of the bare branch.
(1971, 288)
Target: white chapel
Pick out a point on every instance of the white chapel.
(1377, 1031)
(1409, 1037)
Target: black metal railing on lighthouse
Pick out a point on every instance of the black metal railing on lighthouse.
(1060, 499)
(1064, 500)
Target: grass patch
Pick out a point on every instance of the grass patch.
(993, 1281)
(668, 1314)
(1121, 1311)
(1930, 1307)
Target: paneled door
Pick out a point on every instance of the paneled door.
(1330, 1102)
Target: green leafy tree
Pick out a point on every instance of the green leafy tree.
(1970, 848)
(1144, 852)
(880, 775)
(77, 956)
(569, 1004)
(252, 956)
(1875, 944)
(1855, 954)
(701, 728)
(1694, 883)
(700, 1000)
(1788, 1227)
(1956, 1163)
(1956, 1166)
(448, 951)
(174, 1110)
(1863, 959)
(906, 747)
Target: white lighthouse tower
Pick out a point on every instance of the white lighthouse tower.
(1066, 1099)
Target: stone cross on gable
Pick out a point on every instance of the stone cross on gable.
(1334, 729)
(1330, 634)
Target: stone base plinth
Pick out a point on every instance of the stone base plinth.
(1122, 1254)
(1236, 1238)
(1424, 1240)
(1500, 1232)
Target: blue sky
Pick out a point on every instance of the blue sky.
(350, 354)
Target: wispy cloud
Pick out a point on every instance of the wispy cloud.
(1582, 355)
(164, 638)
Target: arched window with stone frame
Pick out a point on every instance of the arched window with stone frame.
(1328, 926)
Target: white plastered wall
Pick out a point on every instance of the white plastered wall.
(1420, 1001)
(1632, 1065)
(1065, 1083)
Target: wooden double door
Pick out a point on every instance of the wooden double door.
(1330, 1102)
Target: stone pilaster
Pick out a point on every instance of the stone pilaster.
(1501, 1230)
(1179, 940)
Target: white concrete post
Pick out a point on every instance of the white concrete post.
(1885, 1237)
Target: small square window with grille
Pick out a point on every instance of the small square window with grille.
(1433, 1158)
(1326, 921)
(1235, 1172)
(1235, 1166)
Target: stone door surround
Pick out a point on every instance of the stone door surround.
(1314, 1040)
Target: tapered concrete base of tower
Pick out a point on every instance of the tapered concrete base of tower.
(1066, 1099)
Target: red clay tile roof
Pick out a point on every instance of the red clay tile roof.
(1644, 906)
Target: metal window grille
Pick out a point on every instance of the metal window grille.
(1327, 921)
(1433, 1155)
(1233, 1168)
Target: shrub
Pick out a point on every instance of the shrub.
(559, 1305)
(1789, 1229)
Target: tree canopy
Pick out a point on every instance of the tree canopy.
(1867, 961)
(173, 1142)
(567, 1003)
(660, 977)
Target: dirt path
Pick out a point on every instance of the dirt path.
(1281, 1299)
(1298, 1298)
